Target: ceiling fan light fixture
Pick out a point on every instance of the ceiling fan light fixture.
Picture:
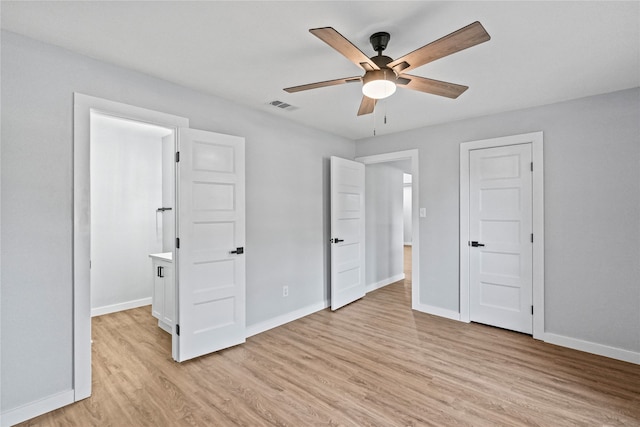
(379, 84)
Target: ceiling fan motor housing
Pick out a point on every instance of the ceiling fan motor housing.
(384, 73)
(379, 41)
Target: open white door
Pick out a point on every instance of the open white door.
(347, 232)
(210, 243)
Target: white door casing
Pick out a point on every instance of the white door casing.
(83, 106)
(347, 232)
(535, 140)
(211, 227)
(500, 230)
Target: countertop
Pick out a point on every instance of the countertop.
(165, 256)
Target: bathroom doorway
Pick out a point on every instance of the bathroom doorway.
(131, 181)
(84, 108)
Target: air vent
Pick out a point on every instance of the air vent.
(282, 105)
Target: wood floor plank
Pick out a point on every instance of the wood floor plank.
(374, 362)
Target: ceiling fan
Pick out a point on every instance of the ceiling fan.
(382, 73)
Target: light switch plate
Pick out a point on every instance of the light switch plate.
(423, 212)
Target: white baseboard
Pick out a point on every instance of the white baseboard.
(383, 283)
(594, 348)
(437, 311)
(34, 409)
(99, 311)
(285, 318)
(407, 243)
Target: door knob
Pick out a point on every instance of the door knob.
(337, 240)
(475, 244)
(238, 251)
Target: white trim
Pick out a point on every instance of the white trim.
(114, 308)
(412, 155)
(37, 408)
(285, 318)
(407, 243)
(437, 311)
(83, 105)
(593, 348)
(536, 141)
(385, 282)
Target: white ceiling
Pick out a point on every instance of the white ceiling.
(247, 52)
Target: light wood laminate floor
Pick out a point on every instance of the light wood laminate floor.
(373, 363)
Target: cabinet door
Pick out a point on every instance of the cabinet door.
(169, 295)
(157, 298)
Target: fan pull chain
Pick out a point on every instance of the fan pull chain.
(385, 111)
(374, 122)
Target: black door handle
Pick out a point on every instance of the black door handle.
(160, 271)
(475, 244)
(337, 240)
(238, 251)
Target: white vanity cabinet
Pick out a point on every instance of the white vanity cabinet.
(163, 295)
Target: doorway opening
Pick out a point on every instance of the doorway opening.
(84, 108)
(392, 167)
(131, 182)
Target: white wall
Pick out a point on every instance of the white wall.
(287, 201)
(384, 250)
(126, 190)
(592, 206)
(406, 209)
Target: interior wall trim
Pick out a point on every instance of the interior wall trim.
(440, 312)
(34, 409)
(285, 318)
(114, 308)
(593, 348)
(384, 282)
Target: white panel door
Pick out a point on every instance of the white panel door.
(211, 230)
(500, 227)
(347, 232)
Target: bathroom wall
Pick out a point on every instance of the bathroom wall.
(126, 191)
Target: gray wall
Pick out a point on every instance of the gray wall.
(383, 223)
(287, 193)
(592, 210)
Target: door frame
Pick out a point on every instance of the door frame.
(413, 156)
(83, 106)
(536, 141)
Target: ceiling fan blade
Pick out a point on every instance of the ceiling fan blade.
(344, 46)
(323, 84)
(465, 37)
(367, 105)
(434, 87)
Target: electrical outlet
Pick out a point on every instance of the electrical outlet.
(285, 291)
